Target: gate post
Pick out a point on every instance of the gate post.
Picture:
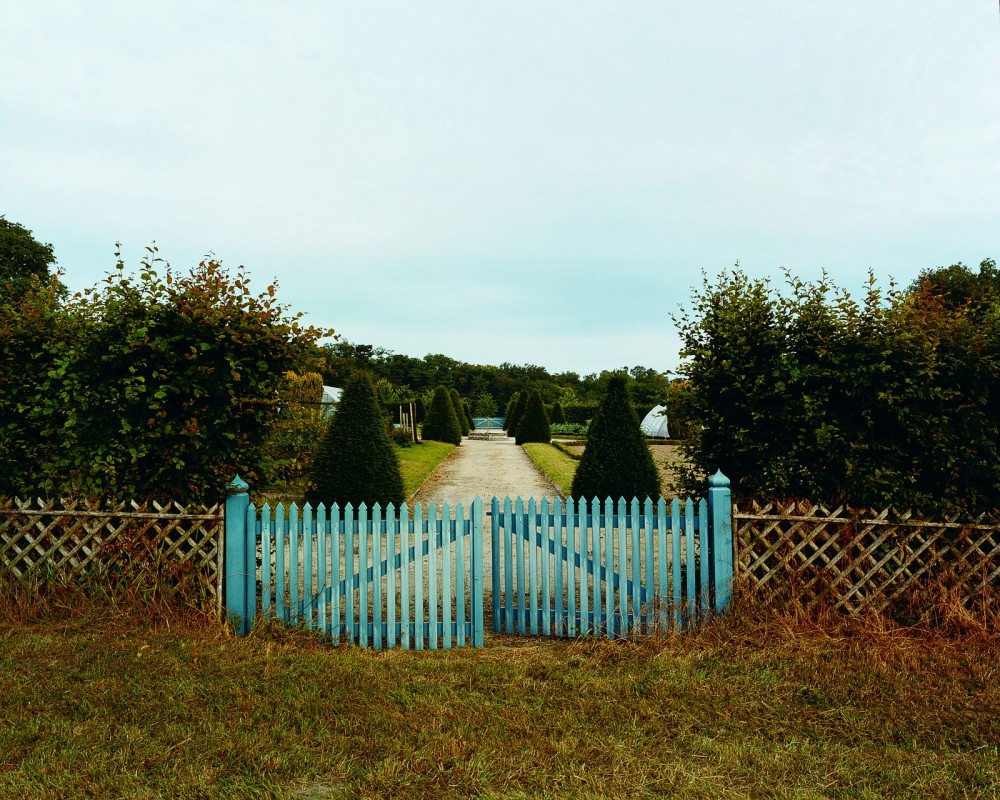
(235, 573)
(720, 517)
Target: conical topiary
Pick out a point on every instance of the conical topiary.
(534, 424)
(356, 461)
(516, 413)
(558, 416)
(441, 422)
(468, 414)
(508, 411)
(616, 462)
(456, 403)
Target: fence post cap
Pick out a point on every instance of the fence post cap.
(718, 481)
(237, 486)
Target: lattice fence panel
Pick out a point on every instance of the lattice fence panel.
(855, 560)
(70, 540)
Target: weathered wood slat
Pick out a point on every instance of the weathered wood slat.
(861, 559)
(72, 538)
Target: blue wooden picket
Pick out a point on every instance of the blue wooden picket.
(616, 569)
(387, 577)
(370, 577)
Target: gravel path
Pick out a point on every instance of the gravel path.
(487, 468)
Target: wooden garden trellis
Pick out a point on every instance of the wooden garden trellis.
(859, 560)
(70, 539)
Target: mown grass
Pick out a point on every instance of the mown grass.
(419, 461)
(557, 466)
(99, 703)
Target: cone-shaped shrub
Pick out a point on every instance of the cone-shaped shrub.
(468, 414)
(356, 461)
(534, 425)
(616, 462)
(456, 403)
(508, 411)
(558, 416)
(441, 422)
(516, 413)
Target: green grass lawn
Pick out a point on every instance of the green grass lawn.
(419, 461)
(557, 466)
(106, 705)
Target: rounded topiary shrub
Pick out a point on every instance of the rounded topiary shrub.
(534, 425)
(463, 420)
(440, 421)
(516, 413)
(616, 462)
(356, 461)
(558, 416)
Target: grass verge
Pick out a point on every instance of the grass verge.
(102, 703)
(557, 466)
(419, 461)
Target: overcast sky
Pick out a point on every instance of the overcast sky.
(533, 182)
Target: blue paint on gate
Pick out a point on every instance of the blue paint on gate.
(388, 577)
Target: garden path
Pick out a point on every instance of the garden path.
(487, 468)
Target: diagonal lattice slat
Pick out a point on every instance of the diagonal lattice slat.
(70, 538)
(857, 560)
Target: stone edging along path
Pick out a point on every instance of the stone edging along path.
(485, 468)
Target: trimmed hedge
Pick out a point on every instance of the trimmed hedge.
(441, 422)
(356, 461)
(534, 424)
(616, 462)
(558, 416)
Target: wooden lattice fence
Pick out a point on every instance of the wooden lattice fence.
(71, 540)
(856, 561)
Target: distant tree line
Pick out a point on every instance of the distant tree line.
(416, 378)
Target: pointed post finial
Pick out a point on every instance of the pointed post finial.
(718, 481)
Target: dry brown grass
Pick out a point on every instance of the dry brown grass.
(103, 700)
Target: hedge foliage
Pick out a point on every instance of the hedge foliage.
(557, 415)
(616, 462)
(534, 424)
(356, 461)
(893, 400)
(299, 427)
(441, 422)
(156, 384)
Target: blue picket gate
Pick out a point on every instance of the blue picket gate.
(616, 569)
(369, 577)
(391, 577)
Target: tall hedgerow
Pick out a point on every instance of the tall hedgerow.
(890, 399)
(463, 420)
(158, 384)
(534, 425)
(616, 462)
(441, 423)
(356, 461)
(516, 413)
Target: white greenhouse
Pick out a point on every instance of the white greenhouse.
(655, 423)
